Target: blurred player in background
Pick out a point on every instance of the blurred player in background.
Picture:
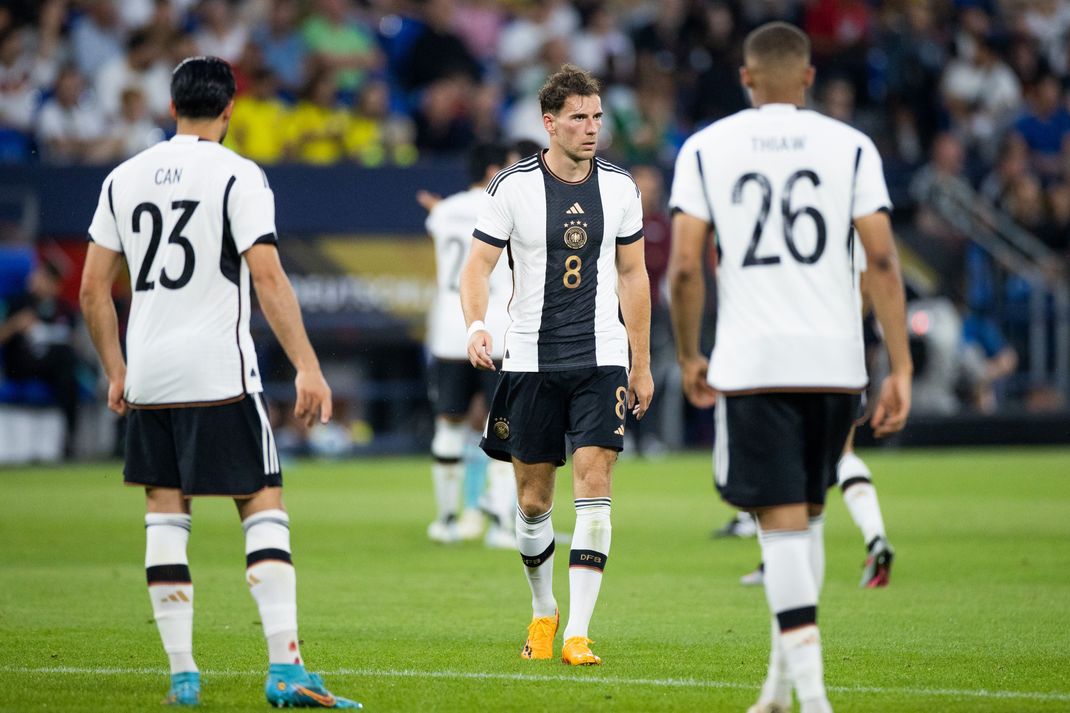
(573, 226)
(453, 382)
(196, 224)
(782, 187)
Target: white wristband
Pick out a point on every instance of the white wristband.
(477, 326)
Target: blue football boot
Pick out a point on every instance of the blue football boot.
(185, 689)
(291, 686)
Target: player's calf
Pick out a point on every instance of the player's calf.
(171, 593)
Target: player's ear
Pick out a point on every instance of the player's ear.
(808, 79)
(548, 124)
(745, 78)
(172, 111)
(228, 110)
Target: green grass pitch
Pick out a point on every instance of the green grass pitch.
(975, 618)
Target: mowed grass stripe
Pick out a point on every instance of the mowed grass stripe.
(542, 678)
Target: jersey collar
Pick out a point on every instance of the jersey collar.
(188, 139)
(778, 108)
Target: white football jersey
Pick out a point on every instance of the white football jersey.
(182, 213)
(781, 187)
(562, 239)
(450, 225)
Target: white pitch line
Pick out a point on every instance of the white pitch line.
(543, 678)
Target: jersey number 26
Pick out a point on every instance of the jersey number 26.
(752, 258)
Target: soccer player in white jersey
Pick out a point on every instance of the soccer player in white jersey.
(453, 382)
(786, 192)
(573, 228)
(195, 224)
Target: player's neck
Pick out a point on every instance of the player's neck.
(565, 167)
(760, 99)
(209, 130)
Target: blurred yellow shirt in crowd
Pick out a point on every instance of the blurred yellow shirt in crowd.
(315, 134)
(257, 129)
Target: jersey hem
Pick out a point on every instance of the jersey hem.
(191, 404)
(560, 367)
(747, 391)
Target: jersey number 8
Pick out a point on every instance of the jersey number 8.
(572, 277)
(175, 238)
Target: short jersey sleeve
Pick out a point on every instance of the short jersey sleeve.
(495, 222)
(631, 226)
(688, 184)
(251, 208)
(870, 190)
(104, 231)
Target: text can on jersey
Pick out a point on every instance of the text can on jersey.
(183, 240)
(450, 225)
(562, 240)
(782, 187)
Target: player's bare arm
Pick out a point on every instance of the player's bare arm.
(475, 294)
(283, 313)
(634, 294)
(688, 289)
(884, 287)
(99, 274)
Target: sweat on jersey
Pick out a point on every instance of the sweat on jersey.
(781, 187)
(562, 240)
(183, 212)
(450, 224)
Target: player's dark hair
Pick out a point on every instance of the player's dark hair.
(482, 157)
(201, 87)
(775, 42)
(568, 81)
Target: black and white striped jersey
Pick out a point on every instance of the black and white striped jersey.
(562, 240)
(782, 187)
(182, 213)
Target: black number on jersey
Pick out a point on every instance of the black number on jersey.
(789, 217)
(143, 282)
(454, 282)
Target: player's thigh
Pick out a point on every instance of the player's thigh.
(598, 407)
(527, 419)
(759, 452)
(151, 455)
(227, 449)
(451, 386)
(830, 420)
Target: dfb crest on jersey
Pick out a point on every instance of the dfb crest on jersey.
(501, 428)
(575, 235)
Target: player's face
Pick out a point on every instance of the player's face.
(575, 128)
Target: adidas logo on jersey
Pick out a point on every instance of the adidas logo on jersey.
(576, 209)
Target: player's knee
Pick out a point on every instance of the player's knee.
(533, 503)
(448, 443)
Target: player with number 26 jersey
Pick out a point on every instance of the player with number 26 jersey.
(782, 201)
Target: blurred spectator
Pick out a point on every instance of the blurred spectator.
(70, 128)
(915, 56)
(437, 52)
(96, 37)
(839, 30)
(24, 74)
(644, 126)
(134, 131)
(37, 341)
(220, 34)
(373, 137)
(659, 42)
(486, 112)
(1047, 23)
(1011, 167)
(523, 41)
(603, 49)
(717, 91)
(479, 23)
(341, 42)
(987, 360)
(281, 45)
(140, 68)
(1044, 125)
(442, 122)
(316, 127)
(982, 94)
(259, 121)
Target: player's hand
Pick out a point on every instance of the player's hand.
(693, 377)
(427, 199)
(116, 402)
(313, 398)
(893, 405)
(479, 346)
(640, 391)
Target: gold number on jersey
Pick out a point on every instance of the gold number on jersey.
(622, 397)
(572, 277)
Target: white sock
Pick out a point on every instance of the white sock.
(170, 585)
(587, 560)
(817, 551)
(535, 540)
(860, 496)
(777, 686)
(500, 497)
(448, 477)
(791, 590)
(273, 582)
